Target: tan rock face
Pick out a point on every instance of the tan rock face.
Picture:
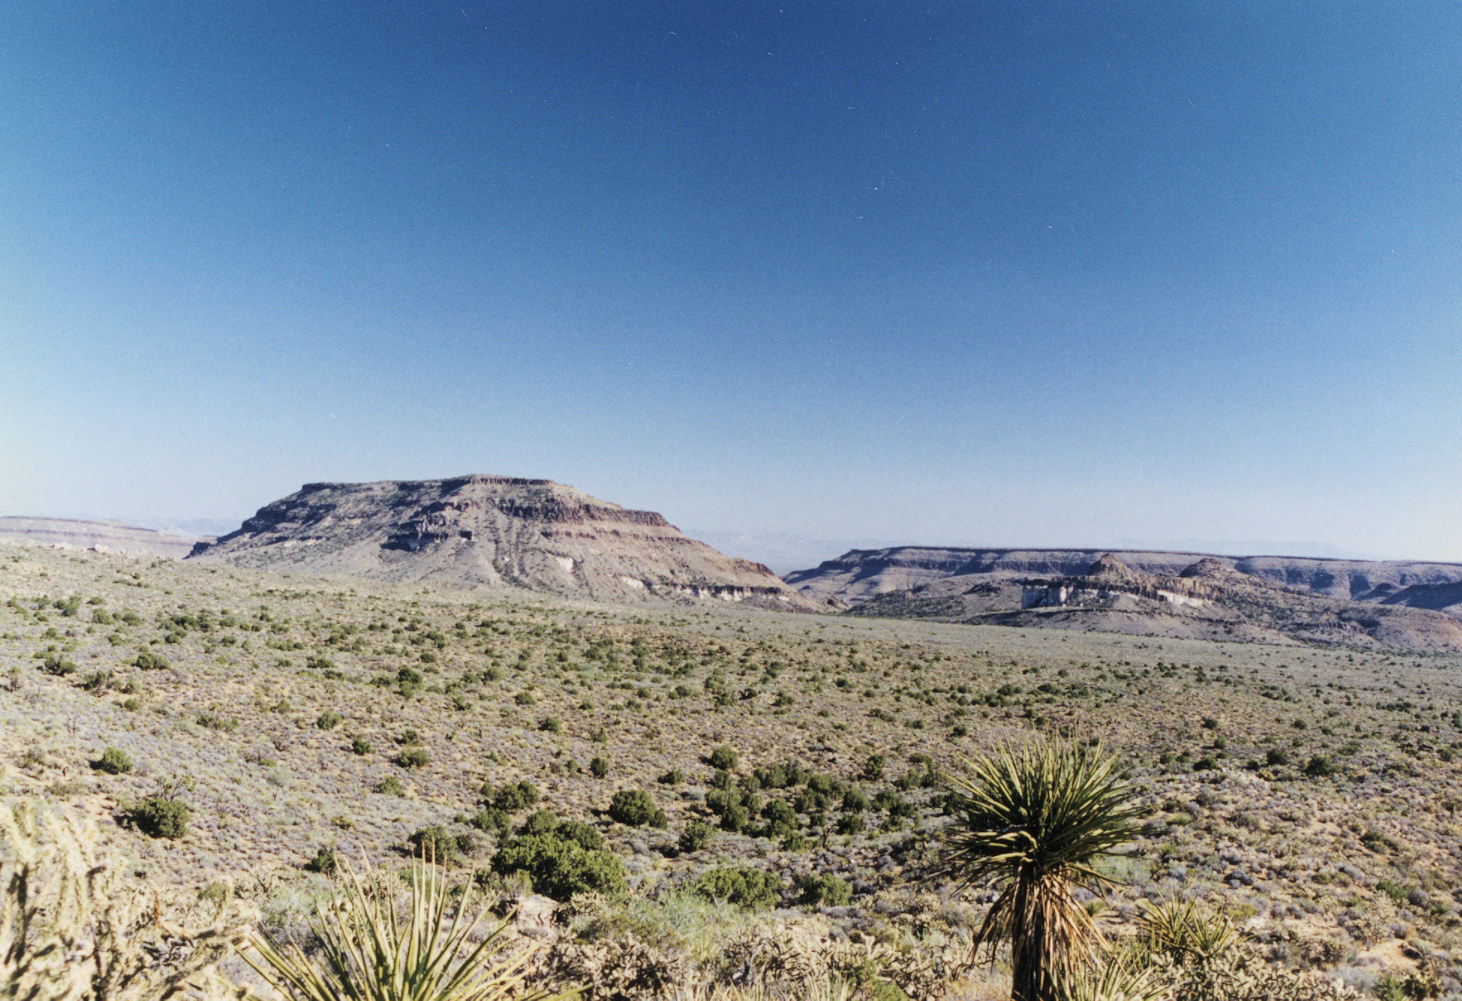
(494, 531)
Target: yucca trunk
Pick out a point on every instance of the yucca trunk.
(1029, 943)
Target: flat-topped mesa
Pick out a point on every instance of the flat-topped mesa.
(495, 531)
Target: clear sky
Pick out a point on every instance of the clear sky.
(963, 273)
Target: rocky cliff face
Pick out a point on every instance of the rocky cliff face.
(1271, 599)
(494, 531)
(861, 574)
(103, 536)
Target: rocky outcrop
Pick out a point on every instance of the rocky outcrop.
(861, 574)
(102, 536)
(495, 531)
(1158, 594)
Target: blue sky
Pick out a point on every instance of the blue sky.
(961, 273)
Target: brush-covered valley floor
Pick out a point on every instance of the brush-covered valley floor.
(1310, 794)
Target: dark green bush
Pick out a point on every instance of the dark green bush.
(1276, 757)
(599, 766)
(328, 720)
(324, 861)
(55, 664)
(438, 844)
(635, 808)
(672, 778)
(826, 890)
(1320, 766)
(695, 836)
(781, 819)
(161, 817)
(550, 724)
(749, 888)
(723, 757)
(149, 661)
(114, 761)
(491, 819)
(515, 797)
(559, 864)
(413, 757)
(735, 818)
(360, 745)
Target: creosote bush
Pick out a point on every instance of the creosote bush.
(561, 858)
(749, 888)
(635, 808)
(114, 761)
(161, 817)
(413, 757)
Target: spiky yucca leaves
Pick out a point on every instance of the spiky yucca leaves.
(1118, 980)
(1189, 937)
(1034, 821)
(369, 952)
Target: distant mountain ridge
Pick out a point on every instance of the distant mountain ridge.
(105, 536)
(1403, 604)
(483, 530)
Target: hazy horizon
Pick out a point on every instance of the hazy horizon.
(941, 274)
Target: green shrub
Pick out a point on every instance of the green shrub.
(826, 890)
(359, 745)
(390, 786)
(1320, 766)
(560, 865)
(1276, 757)
(635, 808)
(695, 836)
(599, 766)
(550, 724)
(328, 720)
(735, 818)
(491, 819)
(160, 817)
(780, 818)
(437, 844)
(324, 861)
(748, 888)
(672, 778)
(723, 757)
(515, 797)
(149, 661)
(114, 761)
(413, 757)
(55, 664)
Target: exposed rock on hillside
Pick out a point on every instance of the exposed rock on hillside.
(494, 531)
(1162, 594)
(103, 536)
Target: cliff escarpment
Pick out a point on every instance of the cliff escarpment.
(494, 531)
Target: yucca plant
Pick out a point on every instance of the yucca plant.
(1034, 821)
(370, 951)
(1117, 980)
